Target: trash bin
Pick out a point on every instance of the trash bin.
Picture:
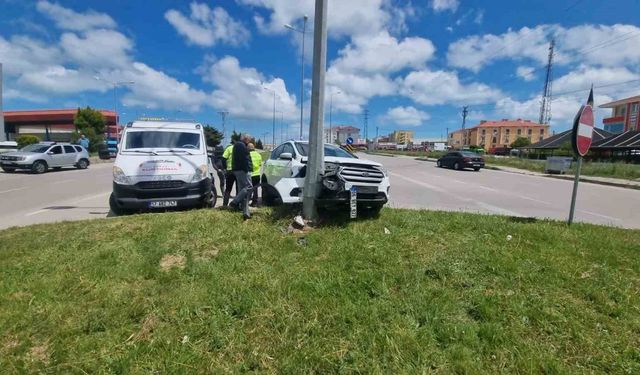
(558, 164)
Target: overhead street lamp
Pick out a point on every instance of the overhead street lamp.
(330, 111)
(115, 99)
(303, 32)
(274, 115)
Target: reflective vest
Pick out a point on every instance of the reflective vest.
(256, 162)
(227, 154)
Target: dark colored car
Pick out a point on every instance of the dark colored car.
(460, 160)
(103, 151)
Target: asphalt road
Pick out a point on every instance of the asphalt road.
(420, 184)
(67, 194)
(81, 194)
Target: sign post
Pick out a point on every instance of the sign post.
(581, 141)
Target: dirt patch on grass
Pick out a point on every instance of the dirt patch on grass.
(170, 261)
(8, 344)
(206, 254)
(40, 353)
(146, 329)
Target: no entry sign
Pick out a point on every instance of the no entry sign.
(583, 128)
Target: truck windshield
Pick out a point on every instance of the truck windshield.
(329, 150)
(161, 139)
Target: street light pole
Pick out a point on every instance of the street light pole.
(273, 132)
(115, 101)
(303, 32)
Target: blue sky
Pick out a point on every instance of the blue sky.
(412, 64)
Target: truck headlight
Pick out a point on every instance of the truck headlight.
(330, 168)
(201, 173)
(22, 158)
(119, 177)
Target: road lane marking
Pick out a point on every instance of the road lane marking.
(36, 212)
(423, 184)
(599, 215)
(91, 197)
(10, 190)
(63, 181)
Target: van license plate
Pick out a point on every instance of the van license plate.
(163, 204)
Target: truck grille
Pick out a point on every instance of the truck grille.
(362, 174)
(10, 158)
(160, 184)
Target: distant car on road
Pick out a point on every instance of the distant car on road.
(39, 157)
(460, 160)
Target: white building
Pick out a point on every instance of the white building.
(340, 133)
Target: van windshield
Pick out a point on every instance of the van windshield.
(37, 148)
(161, 139)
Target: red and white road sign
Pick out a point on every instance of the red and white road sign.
(583, 128)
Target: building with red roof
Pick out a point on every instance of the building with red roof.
(497, 134)
(48, 124)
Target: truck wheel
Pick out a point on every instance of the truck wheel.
(39, 167)
(117, 210)
(212, 199)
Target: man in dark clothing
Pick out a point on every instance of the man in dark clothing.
(229, 176)
(220, 165)
(241, 168)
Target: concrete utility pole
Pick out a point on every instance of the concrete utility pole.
(3, 131)
(315, 164)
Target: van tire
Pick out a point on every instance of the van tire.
(117, 210)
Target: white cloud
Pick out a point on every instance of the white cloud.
(68, 19)
(525, 72)
(589, 44)
(23, 54)
(443, 87)
(382, 53)
(345, 18)
(156, 89)
(206, 27)
(357, 89)
(406, 116)
(97, 48)
(242, 92)
(58, 79)
(583, 77)
(479, 17)
(449, 29)
(443, 5)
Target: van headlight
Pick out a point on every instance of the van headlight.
(119, 177)
(201, 173)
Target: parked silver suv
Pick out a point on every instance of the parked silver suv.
(39, 157)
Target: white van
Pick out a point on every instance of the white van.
(159, 165)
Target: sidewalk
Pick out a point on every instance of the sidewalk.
(629, 184)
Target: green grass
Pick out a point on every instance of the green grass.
(614, 170)
(442, 293)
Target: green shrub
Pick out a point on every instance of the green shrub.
(26, 140)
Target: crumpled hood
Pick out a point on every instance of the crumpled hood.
(339, 160)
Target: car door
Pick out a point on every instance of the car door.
(280, 168)
(271, 165)
(446, 160)
(69, 155)
(56, 156)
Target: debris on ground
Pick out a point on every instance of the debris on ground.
(302, 241)
(387, 231)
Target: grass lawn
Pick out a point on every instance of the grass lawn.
(613, 170)
(203, 292)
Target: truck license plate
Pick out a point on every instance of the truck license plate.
(163, 204)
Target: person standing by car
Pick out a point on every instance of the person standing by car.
(84, 142)
(242, 171)
(256, 163)
(229, 176)
(220, 165)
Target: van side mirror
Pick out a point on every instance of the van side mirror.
(50, 153)
(286, 156)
